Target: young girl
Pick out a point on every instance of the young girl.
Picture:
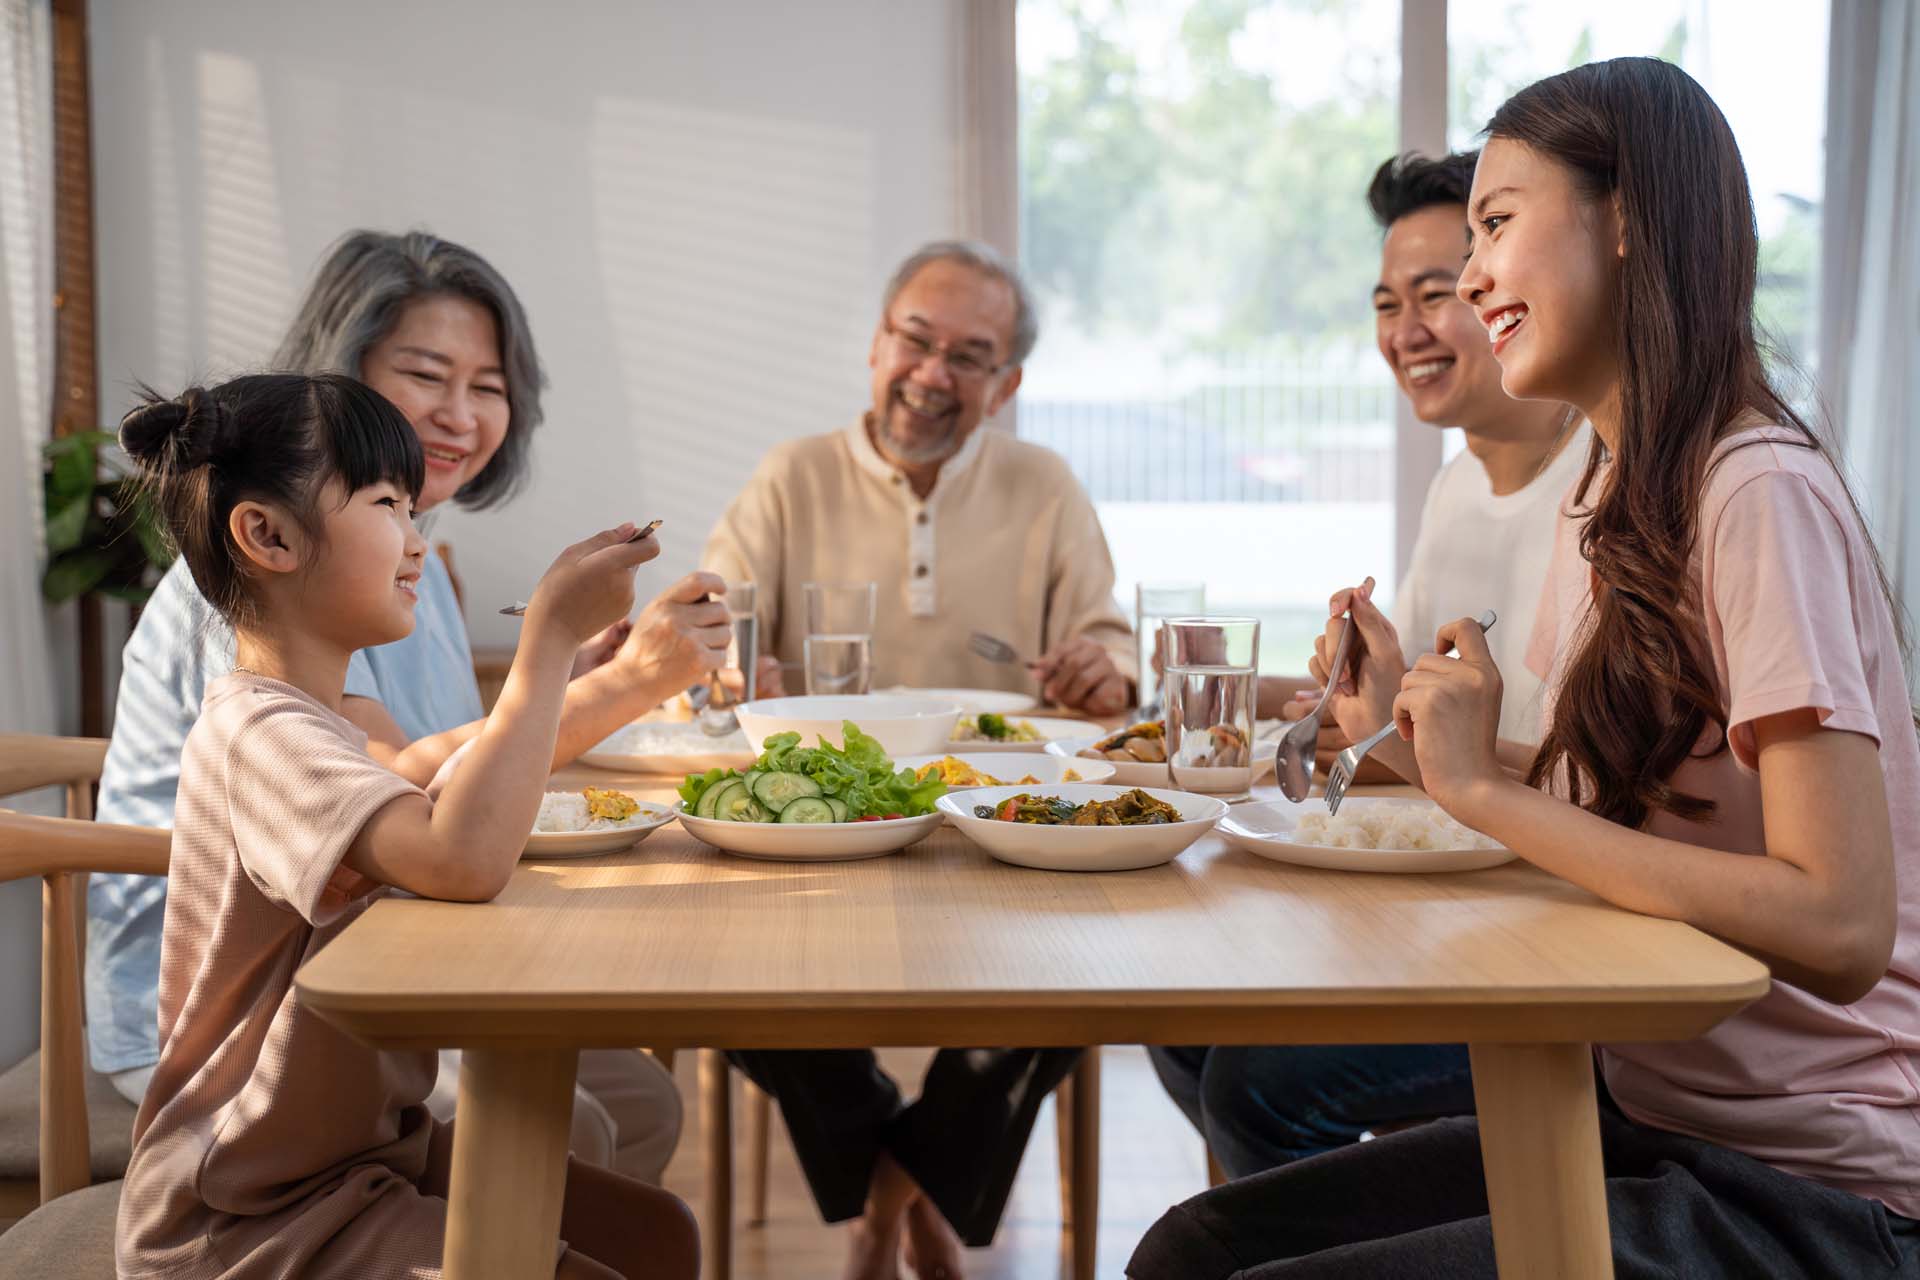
(1729, 741)
(270, 1144)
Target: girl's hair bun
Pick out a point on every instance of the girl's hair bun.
(174, 434)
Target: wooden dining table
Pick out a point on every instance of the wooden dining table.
(676, 944)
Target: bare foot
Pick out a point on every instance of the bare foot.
(934, 1250)
(874, 1249)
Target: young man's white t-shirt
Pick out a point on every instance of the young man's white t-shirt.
(1477, 550)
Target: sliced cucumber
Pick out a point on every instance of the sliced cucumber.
(839, 807)
(740, 806)
(777, 790)
(807, 809)
(703, 808)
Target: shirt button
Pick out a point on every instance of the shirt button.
(896, 479)
(919, 571)
(921, 518)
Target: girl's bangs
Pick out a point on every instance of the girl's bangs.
(372, 441)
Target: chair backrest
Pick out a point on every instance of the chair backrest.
(61, 852)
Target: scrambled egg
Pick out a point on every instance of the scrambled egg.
(614, 806)
(956, 772)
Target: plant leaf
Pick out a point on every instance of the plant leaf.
(67, 523)
(71, 472)
(75, 573)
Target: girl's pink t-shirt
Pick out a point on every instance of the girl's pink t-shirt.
(1796, 619)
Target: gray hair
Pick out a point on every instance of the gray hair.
(357, 297)
(988, 261)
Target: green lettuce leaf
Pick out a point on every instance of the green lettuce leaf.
(697, 784)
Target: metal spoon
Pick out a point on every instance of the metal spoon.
(1293, 759)
(519, 607)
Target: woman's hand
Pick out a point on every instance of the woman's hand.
(1449, 708)
(599, 651)
(679, 638)
(1363, 694)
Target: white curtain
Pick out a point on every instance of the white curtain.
(1870, 290)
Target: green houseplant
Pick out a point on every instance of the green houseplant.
(102, 538)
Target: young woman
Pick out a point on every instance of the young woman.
(269, 1144)
(434, 328)
(1729, 741)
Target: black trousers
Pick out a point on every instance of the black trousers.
(961, 1139)
(1413, 1206)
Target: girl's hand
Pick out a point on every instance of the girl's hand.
(1363, 694)
(589, 587)
(1449, 708)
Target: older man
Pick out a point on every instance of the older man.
(964, 530)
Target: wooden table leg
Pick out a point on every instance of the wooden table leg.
(509, 1162)
(716, 1134)
(1540, 1139)
(1086, 1165)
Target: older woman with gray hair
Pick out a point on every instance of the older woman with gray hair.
(434, 328)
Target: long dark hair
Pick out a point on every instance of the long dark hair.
(1639, 695)
(271, 437)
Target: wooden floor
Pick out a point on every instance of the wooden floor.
(1150, 1158)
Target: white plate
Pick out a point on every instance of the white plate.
(1083, 848)
(974, 701)
(1049, 729)
(905, 724)
(811, 841)
(1012, 766)
(587, 844)
(1136, 774)
(694, 752)
(1267, 830)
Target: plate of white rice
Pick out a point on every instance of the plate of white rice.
(567, 825)
(676, 747)
(1369, 834)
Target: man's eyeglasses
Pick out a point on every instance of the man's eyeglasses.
(962, 363)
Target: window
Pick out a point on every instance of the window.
(1193, 220)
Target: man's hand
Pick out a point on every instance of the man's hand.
(680, 637)
(1081, 674)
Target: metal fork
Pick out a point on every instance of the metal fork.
(1340, 776)
(992, 648)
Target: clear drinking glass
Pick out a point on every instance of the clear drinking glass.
(1154, 603)
(1212, 667)
(839, 640)
(743, 654)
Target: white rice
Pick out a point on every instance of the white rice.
(670, 739)
(567, 811)
(1395, 826)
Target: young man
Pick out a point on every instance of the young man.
(1486, 535)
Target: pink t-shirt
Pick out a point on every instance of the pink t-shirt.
(1796, 619)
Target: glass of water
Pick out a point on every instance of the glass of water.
(839, 640)
(1210, 686)
(743, 654)
(1154, 603)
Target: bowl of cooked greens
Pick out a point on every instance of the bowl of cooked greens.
(1082, 826)
(820, 803)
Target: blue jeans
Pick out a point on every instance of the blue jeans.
(1263, 1106)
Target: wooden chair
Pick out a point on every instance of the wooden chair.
(70, 1233)
(1076, 1105)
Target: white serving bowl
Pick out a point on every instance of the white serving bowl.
(905, 724)
(1139, 774)
(1082, 848)
(811, 841)
(1010, 766)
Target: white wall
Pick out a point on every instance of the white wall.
(697, 202)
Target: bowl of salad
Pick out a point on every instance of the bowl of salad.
(823, 803)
